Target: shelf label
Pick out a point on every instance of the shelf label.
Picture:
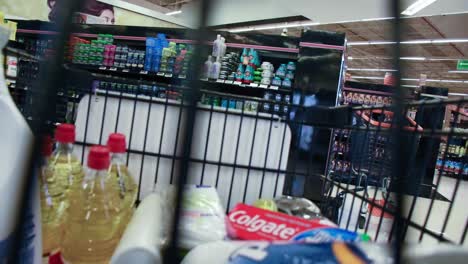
(237, 83)
(264, 86)
(160, 74)
(220, 81)
(113, 69)
(143, 72)
(462, 65)
(229, 82)
(204, 79)
(103, 68)
(273, 87)
(169, 75)
(182, 76)
(126, 70)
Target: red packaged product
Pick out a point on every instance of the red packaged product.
(246, 222)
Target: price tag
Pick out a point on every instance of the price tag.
(126, 70)
(169, 75)
(264, 86)
(237, 83)
(113, 69)
(160, 74)
(103, 68)
(183, 76)
(204, 79)
(220, 81)
(143, 72)
(254, 85)
(229, 82)
(273, 87)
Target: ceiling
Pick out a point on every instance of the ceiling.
(379, 56)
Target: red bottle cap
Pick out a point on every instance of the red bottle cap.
(116, 143)
(47, 146)
(65, 133)
(99, 158)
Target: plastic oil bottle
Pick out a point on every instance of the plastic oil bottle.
(94, 220)
(63, 171)
(119, 171)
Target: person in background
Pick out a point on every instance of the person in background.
(91, 7)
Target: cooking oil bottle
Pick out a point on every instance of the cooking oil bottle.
(119, 171)
(94, 216)
(62, 170)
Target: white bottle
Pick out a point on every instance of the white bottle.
(223, 47)
(16, 141)
(217, 46)
(207, 67)
(215, 70)
(142, 239)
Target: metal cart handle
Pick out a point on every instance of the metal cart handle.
(373, 122)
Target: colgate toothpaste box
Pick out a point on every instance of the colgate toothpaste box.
(251, 223)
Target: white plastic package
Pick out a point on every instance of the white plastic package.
(202, 217)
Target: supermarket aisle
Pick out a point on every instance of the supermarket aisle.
(459, 213)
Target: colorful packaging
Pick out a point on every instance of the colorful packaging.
(251, 223)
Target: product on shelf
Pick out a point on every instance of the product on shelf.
(64, 172)
(119, 171)
(94, 217)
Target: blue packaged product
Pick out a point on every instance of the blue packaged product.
(276, 108)
(224, 103)
(278, 97)
(281, 72)
(291, 66)
(287, 83)
(276, 81)
(232, 104)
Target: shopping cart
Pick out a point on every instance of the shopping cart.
(245, 154)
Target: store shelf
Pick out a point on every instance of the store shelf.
(229, 87)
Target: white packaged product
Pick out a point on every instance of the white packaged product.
(16, 141)
(142, 237)
(202, 217)
(261, 252)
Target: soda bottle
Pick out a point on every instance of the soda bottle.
(94, 217)
(63, 170)
(119, 171)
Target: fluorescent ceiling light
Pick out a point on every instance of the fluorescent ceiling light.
(274, 26)
(371, 70)
(458, 71)
(417, 6)
(413, 58)
(408, 42)
(174, 13)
